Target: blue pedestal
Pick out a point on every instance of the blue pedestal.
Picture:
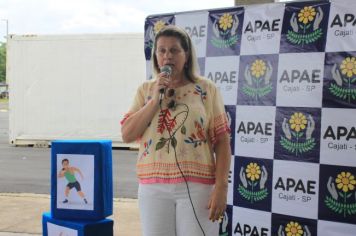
(55, 227)
(81, 180)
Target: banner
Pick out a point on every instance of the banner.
(287, 74)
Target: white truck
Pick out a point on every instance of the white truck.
(72, 86)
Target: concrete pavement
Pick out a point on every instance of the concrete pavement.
(16, 234)
(21, 215)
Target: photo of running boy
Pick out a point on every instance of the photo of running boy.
(69, 173)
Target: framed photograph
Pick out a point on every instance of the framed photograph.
(75, 181)
(56, 230)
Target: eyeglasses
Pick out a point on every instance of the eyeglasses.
(171, 94)
(162, 51)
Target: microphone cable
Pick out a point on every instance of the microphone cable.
(185, 179)
(161, 94)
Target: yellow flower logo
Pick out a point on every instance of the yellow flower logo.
(225, 21)
(294, 229)
(348, 66)
(298, 121)
(158, 26)
(253, 171)
(306, 15)
(345, 181)
(258, 68)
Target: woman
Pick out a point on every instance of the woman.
(180, 121)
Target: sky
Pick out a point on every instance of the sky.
(89, 16)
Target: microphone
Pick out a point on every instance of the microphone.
(167, 69)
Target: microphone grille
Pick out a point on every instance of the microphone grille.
(166, 69)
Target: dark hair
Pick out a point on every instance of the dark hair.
(65, 160)
(191, 67)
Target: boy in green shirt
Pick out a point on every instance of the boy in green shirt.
(69, 173)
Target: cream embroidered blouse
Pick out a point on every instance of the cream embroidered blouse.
(186, 131)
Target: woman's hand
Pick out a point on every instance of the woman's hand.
(136, 123)
(217, 202)
(161, 84)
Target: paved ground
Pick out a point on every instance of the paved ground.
(27, 170)
(21, 213)
(16, 234)
(25, 187)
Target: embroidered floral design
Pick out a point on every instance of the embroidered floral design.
(198, 137)
(126, 116)
(171, 125)
(199, 91)
(146, 145)
(165, 121)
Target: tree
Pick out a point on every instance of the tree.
(2, 62)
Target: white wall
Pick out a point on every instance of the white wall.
(73, 86)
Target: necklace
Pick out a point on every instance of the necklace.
(178, 84)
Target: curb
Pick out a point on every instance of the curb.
(47, 196)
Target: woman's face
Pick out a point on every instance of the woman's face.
(170, 52)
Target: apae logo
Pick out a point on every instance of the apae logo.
(293, 132)
(225, 30)
(305, 29)
(158, 26)
(339, 133)
(342, 199)
(252, 128)
(223, 77)
(342, 88)
(152, 30)
(253, 181)
(245, 229)
(300, 80)
(196, 31)
(258, 79)
(262, 26)
(294, 228)
(299, 186)
(343, 22)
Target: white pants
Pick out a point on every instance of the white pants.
(165, 210)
